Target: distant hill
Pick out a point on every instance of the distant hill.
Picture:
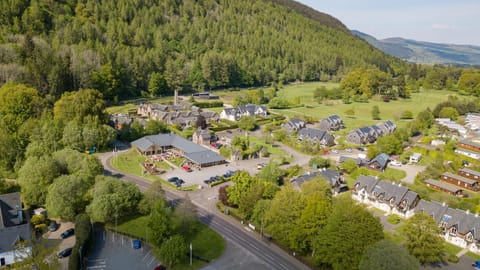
(425, 52)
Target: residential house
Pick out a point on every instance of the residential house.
(384, 195)
(444, 187)
(316, 136)
(294, 125)
(226, 137)
(331, 123)
(460, 181)
(195, 154)
(202, 136)
(333, 177)
(387, 127)
(234, 114)
(118, 121)
(379, 163)
(370, 134)
(15, 231)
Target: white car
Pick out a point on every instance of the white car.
(334, 151)
(396, 163)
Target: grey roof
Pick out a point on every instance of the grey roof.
(382, 159)
(391, 191)
(332, 176)
(460, 178)
(203, 133)
(366, 182)
(191, 150)
(13, 222)
(359, 161)
(304, 178)
(432, 208)
(470, 143)
(443, 185)
(472, 172)
(317, 134)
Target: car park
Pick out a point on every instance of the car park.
(65, 253)
(53, 226)
(67, 233)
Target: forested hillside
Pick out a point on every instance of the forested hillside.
(124, 47)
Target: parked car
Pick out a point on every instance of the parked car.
(136, 244)
(53, 226)
(334, 151)
(65, 253)
(67, 233)
(396, 163)
(349, 150)
(228, 174)
(186, 168)
(261, 165)
(173, 179)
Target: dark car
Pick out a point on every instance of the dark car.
(53, 226)
(228, 174)
(65, 253)
(67, 233)
(173, 179)
(136, 244)
(208, 181)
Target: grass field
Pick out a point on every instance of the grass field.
(206, 243)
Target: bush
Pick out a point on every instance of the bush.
(393, 219)
(406, 115)
(452, 258)
(82, 237)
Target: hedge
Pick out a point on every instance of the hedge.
(83, 233)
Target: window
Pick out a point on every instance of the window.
(453, 230)
(469, 237)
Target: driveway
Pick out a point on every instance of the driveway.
(66, 243)
(411, 171)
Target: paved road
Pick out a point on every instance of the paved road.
(271, 255)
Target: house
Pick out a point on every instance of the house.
(387, 127)
(331, 123)
(370, 134)
(460, 181)
(316, 136)
(293, 125)
(415, 158)
(360, 161)
(118, 121)
(384, 195)
(204, 95)
(234, 114)
(445, 187)
(226, 137)
(15, 231)
(379, 163)
(202, 136)
(437, 143)
(333, 177)
(194, 153)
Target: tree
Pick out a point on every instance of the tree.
(66, 197)
(154, 127)
(423, 238)
(240, 143)
(448, 112)
(320, 162)
(249, 198)
(185, 218)
(113, 198)
(159, 223)
(242, 181)
(350, 113)
(78, 105)
(153, 194)
(34, 178)
(247, 123)
(375, 113)
(271, 173)
(157, 85)
(347, 221)
(173, 250)
(201, 122)
(349, 165)
(389, 144)
(387, 255)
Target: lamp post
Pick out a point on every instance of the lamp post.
(80, 253)
(190, 253)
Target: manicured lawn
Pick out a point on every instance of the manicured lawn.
(271, 149)
(473, 255)
(177, 161)
(129, 105)
(206, 243)
(451, 249)
(129, 162)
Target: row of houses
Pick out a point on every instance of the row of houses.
(459, 227)
(452, 126)
(333, 177)
(454, 184)
(234, 114)
(370, 134)
(316, 136)
(331, 123)
(469, 147)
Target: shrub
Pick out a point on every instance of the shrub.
(394, 219)
(406, 115)
(452, 258)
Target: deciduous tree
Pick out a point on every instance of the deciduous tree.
(387, 255)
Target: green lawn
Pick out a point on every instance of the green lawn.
(206, 243)
(271, 149)
(473, 255)
(451, 249)
(177, 161)
(130, 105)
(394, 236)
(129, 162)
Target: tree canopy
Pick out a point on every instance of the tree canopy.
(387, 255)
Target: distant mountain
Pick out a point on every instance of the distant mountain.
(425, 52)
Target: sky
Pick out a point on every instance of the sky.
(439, 21)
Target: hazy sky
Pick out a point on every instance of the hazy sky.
(442, 21)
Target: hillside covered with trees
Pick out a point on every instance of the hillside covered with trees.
(125, 48)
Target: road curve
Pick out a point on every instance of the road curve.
(270, 254)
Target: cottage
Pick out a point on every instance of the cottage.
(333, 122)
(202, 136)
(317, 136)
(370, 134)
(293, 125)
(194, 153)
(460, 181)
(387, 196)
(379, 163)
(234, 114)
(15, 232)
(445, 187)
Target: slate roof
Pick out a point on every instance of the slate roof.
(472, 172)
(432, 208)
(315, 134)
(459, 177)
(13, 226)
(443, 185)
(366, 182)
(193, 151)
(382, 159)
(332, 176)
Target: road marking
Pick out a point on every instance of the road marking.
(96, 267)
(153, 259)
(98, 260)
(146, 255)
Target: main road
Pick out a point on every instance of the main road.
(265, 251)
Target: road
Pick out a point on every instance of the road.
(270, 254)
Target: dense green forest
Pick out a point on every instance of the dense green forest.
(123, 47)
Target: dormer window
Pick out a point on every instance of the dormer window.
(453, 230)
(469, 237)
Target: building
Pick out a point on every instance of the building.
(460, 181)
(389, 197)
(452, 126)
(234, 114)
(294, 125)
(316, 136)
(202, 136)
(195, 154)
(387, 127)
(469, 148)
(333, 177)
(465, 172)
(437, 143)
(331, 123)
(204, 95)
(379, 163)
(118, 121)
(15, 231)
(370, 134)
(444, 187)
(415, 158)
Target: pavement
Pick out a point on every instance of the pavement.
(66, 243)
